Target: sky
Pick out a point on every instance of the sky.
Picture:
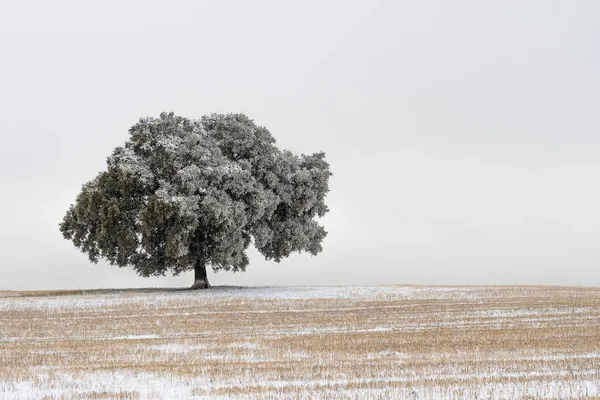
(463, 136)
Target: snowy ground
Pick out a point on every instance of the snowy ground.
(305, 342)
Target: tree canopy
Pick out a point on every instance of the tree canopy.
(184, 194)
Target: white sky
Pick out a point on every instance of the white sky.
(464, 136)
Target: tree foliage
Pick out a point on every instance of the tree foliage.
(184, 192)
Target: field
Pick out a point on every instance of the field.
(412, 342)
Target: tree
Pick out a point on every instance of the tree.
(185, 194)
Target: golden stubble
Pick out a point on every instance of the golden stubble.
(438, 341)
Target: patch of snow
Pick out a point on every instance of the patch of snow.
(103, 302)
(180, 348)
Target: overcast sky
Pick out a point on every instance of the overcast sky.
(464, 136)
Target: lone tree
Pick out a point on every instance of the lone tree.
(185, 194)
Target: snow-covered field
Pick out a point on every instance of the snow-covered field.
(304, 342)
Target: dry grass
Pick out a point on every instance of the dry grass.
(382, 342)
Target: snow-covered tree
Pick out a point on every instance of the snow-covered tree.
(185, 194)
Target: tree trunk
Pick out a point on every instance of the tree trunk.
(200, 278)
